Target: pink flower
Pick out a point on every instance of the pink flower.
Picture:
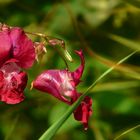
(16, 51)
(22, 48)
(84, 111)
(15, 44)
(62, 85)
(5, 47)
(12, 83)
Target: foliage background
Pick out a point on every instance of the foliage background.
(82, 24)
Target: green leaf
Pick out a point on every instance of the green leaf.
(55, 127)
(128, 43)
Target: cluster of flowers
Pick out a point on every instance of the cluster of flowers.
(17, 51)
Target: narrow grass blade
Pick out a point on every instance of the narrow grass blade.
(49, 133)
(127, 131)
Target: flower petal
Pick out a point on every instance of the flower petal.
(23, 48)
(79, 71)
(12, 83)
(56, 83)
(5, 46)
(61, 83)
(84, 111)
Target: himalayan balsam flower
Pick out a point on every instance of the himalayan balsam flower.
(22, 47)
(16, 51)
(12, 83)
(62, 85)
(15, 44)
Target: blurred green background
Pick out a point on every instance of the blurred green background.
(83, 24)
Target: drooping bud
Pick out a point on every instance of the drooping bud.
(4, 27)
(40, 49)
(56, 41)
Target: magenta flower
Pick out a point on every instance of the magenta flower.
(15, 44)
(22, 48)
(12, 83)
(5, 47)
(62, 85)
(16, 51)
(84, 111)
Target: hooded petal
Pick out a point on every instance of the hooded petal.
(84, 111)
(5, 46)
(23, 48)
(12, 83)
(61, 83)
(56, 83)
(79, 71)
